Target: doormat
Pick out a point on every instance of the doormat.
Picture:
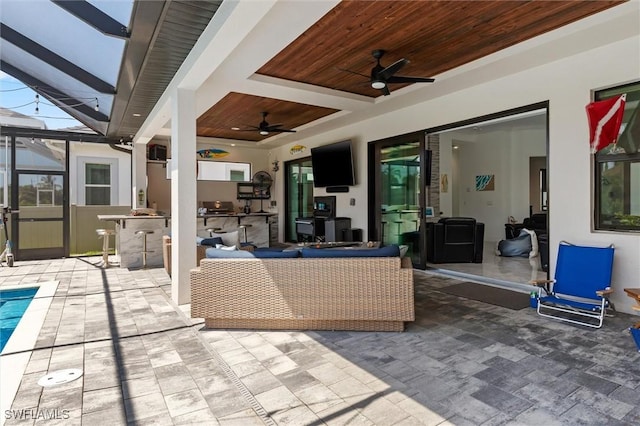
(488, 294)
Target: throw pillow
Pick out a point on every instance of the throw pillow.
(228, 248)
(229, 238)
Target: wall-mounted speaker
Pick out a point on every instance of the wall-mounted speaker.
(337, 189)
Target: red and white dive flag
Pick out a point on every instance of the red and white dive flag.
(605, 118)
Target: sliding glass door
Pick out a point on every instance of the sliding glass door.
(397, 217)
(298, 194)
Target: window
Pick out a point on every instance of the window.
(98, 184)
(617, 168)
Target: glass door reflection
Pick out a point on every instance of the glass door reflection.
(400, 192)
(298, 194)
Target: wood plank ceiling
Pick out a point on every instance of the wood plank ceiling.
(436, 36)
(241, 111)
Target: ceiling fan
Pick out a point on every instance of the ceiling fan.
(381, 76)
(265, 128)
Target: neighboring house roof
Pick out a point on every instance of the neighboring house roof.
(78, 129)
(9, 117)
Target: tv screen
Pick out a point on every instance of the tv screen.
(332, 165)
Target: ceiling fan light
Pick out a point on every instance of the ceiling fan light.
(264, 132)
(378, 84)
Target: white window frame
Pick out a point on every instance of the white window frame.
(82, 179)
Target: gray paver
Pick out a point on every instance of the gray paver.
(461, 362)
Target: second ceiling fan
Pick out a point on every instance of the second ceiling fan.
(265, 128)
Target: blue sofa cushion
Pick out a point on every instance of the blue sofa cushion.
(387, 251)
(213, 253)
(276, 254)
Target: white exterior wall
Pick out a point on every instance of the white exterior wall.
(100, 152)
(567, 84)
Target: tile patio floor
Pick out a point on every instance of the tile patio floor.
(461, 363)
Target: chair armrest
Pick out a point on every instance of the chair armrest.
(544, 284)
(604, 292)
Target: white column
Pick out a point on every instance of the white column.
(183, 193)
(139, 170)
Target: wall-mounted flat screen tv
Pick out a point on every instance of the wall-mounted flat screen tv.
(333, 165)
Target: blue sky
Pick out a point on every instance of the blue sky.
(16, 96)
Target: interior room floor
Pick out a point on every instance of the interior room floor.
(494, 269)
(461, 362)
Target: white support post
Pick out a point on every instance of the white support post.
(183, 193)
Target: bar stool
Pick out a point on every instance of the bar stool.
(244, 228)
(104, 234)
(143, 233)
(211, 231)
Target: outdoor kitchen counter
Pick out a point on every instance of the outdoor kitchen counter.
(129, 245)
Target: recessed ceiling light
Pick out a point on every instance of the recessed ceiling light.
(135, 114)
(233, 144)
(235, 128)
(455, 147)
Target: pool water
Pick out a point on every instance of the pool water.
(13, 304)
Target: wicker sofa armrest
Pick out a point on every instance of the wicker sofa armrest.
(166, 253)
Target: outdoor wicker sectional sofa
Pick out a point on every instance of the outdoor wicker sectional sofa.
(304, 293)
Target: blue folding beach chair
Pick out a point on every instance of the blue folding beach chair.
(579, 292)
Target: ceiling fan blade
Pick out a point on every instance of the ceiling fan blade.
(286, 130)
(385, 91)
(277, 128)
(352, 72)
(387, 72)
(405, 79)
